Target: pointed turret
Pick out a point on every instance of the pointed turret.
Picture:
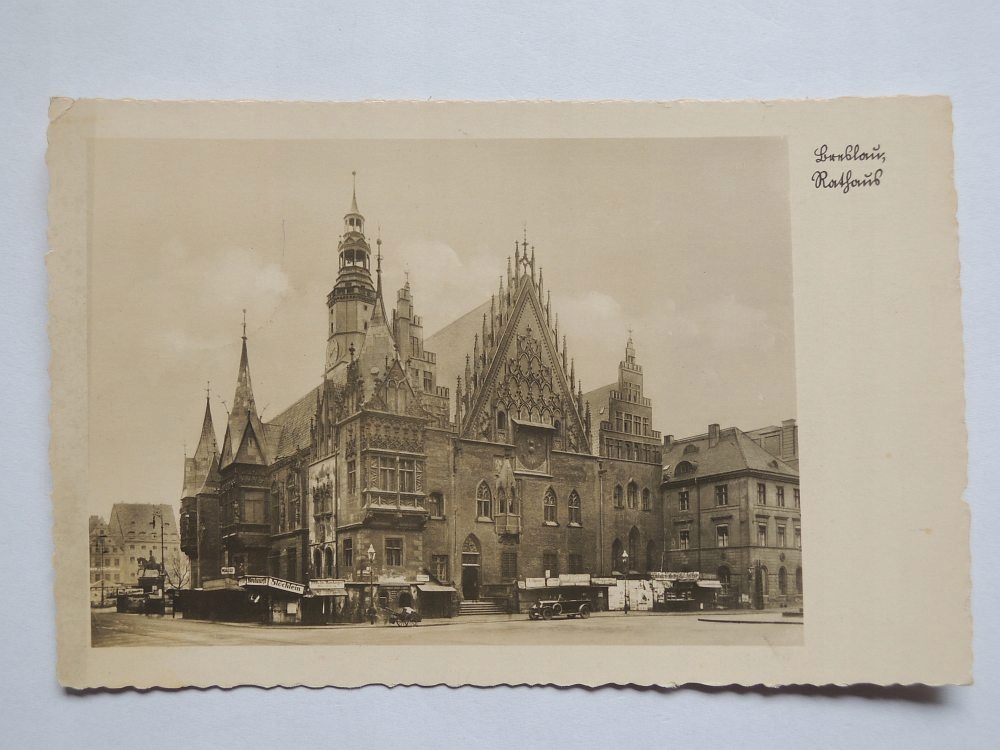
(198, 467)
(244, 439)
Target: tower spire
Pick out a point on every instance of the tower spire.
(378, 263)
(354, 192)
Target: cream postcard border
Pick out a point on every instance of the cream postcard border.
(880, 379)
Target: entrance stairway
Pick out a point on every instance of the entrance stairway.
(480, 607)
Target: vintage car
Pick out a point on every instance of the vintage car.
(546, 609)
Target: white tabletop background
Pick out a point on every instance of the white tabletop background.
(512, 50)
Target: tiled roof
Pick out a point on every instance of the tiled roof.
(132, 522)
(735, 451)
(290, 430)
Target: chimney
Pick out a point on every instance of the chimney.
(668, 442)
(713, 435)
(789, 439)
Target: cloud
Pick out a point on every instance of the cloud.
(197, 297)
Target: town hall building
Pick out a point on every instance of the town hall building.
(384, 486)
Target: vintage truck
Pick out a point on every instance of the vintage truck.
(546, 609)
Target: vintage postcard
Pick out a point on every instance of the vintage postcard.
(507, 393)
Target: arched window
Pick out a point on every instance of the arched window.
(763, 580)
(798, 580)
(484, 501)
(575, 510)
(501, 501)
(651, 556)
(317, 563)
(782, 580)
(549, 506)
(684, 467)
(616, 554)
(501, 420)
(690, 448)
(619, 501)
(633, 491)
(647, 500)
(633, 548)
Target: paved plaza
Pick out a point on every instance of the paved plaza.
(604, 628)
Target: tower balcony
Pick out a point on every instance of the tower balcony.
(394, 509)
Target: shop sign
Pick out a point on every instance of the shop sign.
(574, 579)
(275, 583)
(423, 578)
(326, 585)
(604, 581)
(551, 581)
(534, 583)
(229, 571)
(675, 576)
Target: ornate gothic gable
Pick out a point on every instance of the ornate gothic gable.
(394, 393)
(518, 371)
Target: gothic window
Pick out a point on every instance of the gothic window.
(484, 501)
(618, 497)
(576, 563)
(647, 501)
(633, 547)
(684, 467)
(651, 555)
(439, 565)
(328, 562)
(575, 510)
(387, 473)
(508, 566)
(436, 505)
(550, 507)
(501, 501)
(501, 421)
(550, 564)
(407, 475)
(317, 570)
(633, 490)
(616, 553)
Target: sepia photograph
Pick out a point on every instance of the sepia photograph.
(464, 383)
(425, 378)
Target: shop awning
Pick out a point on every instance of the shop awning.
(435, 588)
(709, 584)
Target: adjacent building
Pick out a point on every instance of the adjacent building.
(122, 548)
(732, 511)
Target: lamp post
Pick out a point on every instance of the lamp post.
(625, 574)
(158, 513)
(371, 579)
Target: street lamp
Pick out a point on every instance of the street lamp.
(158, 513)
(371, 578)
(625, 573)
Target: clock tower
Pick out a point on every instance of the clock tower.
(353, 296)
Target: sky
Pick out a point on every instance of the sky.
(685, 242)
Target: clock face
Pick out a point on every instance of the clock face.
(532, 449)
